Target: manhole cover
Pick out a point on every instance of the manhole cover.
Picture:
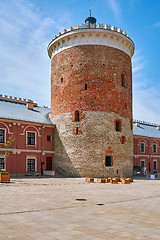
(81, 199)
(100, 204)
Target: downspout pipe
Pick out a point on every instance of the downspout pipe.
(42, 150)
(149, 156)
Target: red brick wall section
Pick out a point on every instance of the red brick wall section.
(16, 163)
(148, 155)
(100, 67)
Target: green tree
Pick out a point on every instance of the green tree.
(8, 145)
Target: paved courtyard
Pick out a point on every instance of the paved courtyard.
(46, 208)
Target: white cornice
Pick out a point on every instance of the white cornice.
(104, 37)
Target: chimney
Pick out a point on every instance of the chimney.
(30, 104)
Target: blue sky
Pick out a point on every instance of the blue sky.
(27, 26)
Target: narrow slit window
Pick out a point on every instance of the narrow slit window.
(123, 80)
(108, 161)
(118, 126)
(76, 119)
(85, 86)
(76, 130)
(62, 80)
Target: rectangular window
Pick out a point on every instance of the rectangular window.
(154, 148)
(48, 138)
(2, 136)
(142, 163)
(108, 161)
(118, 126)
(31, 138)
(142, 147)
(76, 130)
(2, 166)
(154, 165)
(30, 165)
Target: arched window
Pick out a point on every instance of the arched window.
(118, 126)
(142, 146)
(76, 117)
(123, 80)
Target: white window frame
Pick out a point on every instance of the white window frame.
(4, 135)
(35, 138)
(140, 147)
(153, 164)
(156, 148)
(142, 160)
(31, 157)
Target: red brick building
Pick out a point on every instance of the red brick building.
(33, 148)
(146, 147)
(32, 151)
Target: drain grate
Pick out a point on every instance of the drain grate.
(81, 199)
(100, 204)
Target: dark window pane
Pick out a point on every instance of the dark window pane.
(48, 138)
(30, 165)
(142, 147)
(154, 148)
(108, 161)
(30, 138)
(118, 126)
(76, 116)
(154, 165)
(1, 163)
(2, 136)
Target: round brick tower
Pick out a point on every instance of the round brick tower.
(91, 100)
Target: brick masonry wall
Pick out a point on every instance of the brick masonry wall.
(88, 79)
(99, 67)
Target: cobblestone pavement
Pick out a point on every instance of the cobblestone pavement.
(46, 208)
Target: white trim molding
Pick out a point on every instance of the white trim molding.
(94, 36)
(39, 135)
(7, 128)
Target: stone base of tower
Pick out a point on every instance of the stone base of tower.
(84, 149)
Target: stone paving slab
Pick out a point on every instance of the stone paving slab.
(46, 208)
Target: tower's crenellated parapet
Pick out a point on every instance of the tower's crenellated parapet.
(92, 33)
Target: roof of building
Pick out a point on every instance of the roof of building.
(19, 111)
(141, 128)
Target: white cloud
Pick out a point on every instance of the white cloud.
(157, 24)
(25, 66)
(115, 8)
(146, 96)
(138, 61)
